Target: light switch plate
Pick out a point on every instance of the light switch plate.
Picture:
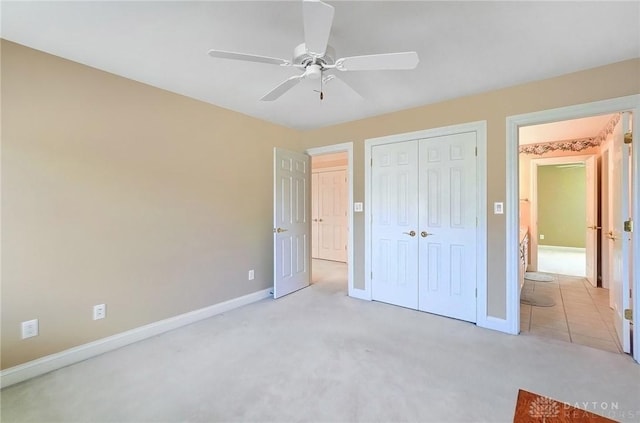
(498, 208)
(357, 207)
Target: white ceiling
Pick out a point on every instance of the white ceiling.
(464, 48)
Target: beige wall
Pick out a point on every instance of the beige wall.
(155, 204)
(120, 193)
(605, 82)
(562, 206)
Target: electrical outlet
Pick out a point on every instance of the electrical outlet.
(541, 236)
(29, 328)
(99, 311)
(251, 274)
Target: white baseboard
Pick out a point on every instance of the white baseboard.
(46, 364)
(360, 294)
(562, 248)
(493, 323)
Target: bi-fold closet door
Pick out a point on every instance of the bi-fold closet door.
(423, 224)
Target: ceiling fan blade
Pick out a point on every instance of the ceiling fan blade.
(248, 57)
(318, 17)
(389, 61)
(275, 93)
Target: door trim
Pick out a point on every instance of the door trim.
(348, 148)
(628, 103)
(480, 128)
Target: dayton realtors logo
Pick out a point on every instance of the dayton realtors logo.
(544, 408)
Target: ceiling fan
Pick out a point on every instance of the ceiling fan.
(315, 57)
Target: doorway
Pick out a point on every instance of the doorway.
(626, 255)
(562, 295)
(332, 216)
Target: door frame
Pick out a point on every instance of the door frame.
(533, 186)
(480, 128)
(629, 103)
(341, 148)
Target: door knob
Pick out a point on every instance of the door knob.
(594, 227)
(319, 220)
(280, 230)
(425, 234)
(412, 233)
(315, 220)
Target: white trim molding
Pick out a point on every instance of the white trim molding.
(348, 148)
(480, 128)
(56, 361)
(513, 123)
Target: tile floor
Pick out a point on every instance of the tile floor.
(581, 314)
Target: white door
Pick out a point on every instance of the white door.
(591, 240)
(447, 229)
(291, 222)
(314, 215)
(605, 208)
(618, 239)
(332, 215)
(394, 223)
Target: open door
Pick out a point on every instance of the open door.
(291, 222)
(619, 240)
(591, 240)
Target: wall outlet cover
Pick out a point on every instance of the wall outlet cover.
(29, 328)
(99, 311)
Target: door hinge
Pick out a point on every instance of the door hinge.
(371, 275)
(628, 138)
(476, 151)
(476, 292)
(371, 162)
(628, 225)
(628, 314)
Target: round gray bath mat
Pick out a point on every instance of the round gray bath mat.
(537, 300)
(538, 277)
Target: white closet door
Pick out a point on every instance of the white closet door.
(332, 215)
(394, 217)
(448, 226)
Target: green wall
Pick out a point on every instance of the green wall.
(562, 205)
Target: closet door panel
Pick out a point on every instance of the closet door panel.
(394, 223)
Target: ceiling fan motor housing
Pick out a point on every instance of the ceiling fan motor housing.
(303, 58)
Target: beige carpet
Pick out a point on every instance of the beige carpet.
(318, 355)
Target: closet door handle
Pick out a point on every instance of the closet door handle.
(425, 234)
(411, 234)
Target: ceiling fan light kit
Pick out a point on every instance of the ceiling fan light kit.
(316, 58)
